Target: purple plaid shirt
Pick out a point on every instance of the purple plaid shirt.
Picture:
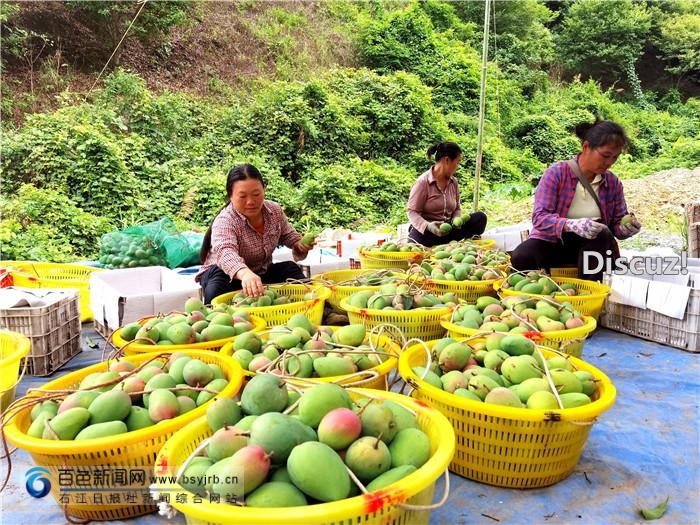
(553, 198)
(235, 244)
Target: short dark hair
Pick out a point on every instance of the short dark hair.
(601, 133)
(444, 149)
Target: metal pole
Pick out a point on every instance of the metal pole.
(482, 104)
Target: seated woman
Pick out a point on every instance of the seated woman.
(434, 199)
(237, 249)
(579, 208)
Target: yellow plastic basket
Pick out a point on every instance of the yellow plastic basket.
(136, 449)
(376, 259)
(421, 323)
(132, 348)
(570, 272)
(375, 377)
(590, 304)
(50, 275)
(511, 447)
(13, 347)
(568, 341)
(340, 289)
(280, 313)
(481, 244)
(466, 290)
(384, 507)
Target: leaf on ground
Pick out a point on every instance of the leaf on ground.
(90, 342)
(656, 512)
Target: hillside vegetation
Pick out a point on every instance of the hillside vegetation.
(335, 102)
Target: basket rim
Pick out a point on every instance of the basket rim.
(415, 312)
(589, 325)
(337, 510)
(602, 293)
(122, 344)
(577, 414)
(19, 267)
(382, 368)
(322, 293)
(379, 255)
(33, 445)
(22, 346)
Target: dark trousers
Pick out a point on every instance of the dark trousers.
(535, 254)
(216, 282)
(475, 225)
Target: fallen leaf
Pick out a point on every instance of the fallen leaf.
(90, 342)
(656, 512)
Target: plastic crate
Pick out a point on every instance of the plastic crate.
(590, 304)
(50, 275)
(421, 323)
(375, 377)
(569, 341)
(384, 507)
(338, 282)
(653, 326)
(136, 449)
(131, 348)
(511, 447)
(280, 313)
(54, 331)
(13, 347)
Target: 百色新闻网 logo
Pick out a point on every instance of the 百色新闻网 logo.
(38, 485)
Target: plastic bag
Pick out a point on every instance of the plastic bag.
(156, 243)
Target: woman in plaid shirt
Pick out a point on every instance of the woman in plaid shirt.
(237, 249)
(566, 220)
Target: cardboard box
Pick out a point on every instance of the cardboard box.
(118, 297)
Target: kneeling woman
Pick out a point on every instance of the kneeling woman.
(237, 249)
(579, 208)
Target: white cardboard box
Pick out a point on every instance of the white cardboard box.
(118, 297)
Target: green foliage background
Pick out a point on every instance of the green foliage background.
(342, 147)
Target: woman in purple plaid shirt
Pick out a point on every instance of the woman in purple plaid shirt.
(237, 249)
(566, 220)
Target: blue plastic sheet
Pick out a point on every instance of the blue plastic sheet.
(645, 448)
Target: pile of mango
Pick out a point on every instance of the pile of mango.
(301, 457)
(270, 297)
(132, 398)
(301, 349)
(540, 284)
(120, 250)
(373, 278)
(400, 297)
(393, 247)
(198, 324)
(517, 314)
(470, 253)
(448, 270)
(504, 369)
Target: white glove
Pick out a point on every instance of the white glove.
(586, 227)
(434, 228)
(631, 228)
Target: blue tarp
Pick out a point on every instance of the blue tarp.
(645, 448)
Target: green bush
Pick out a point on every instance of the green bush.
(357, 193)
(544, 136)
(44, 225)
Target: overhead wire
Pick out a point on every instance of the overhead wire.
(143, 4)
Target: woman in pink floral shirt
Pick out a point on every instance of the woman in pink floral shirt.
(237, 249)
